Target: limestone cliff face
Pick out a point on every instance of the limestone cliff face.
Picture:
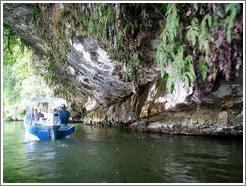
(81, 70)
(94, 79)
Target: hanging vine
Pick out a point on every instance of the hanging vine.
(198, 38)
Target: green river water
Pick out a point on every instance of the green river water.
(102, 155)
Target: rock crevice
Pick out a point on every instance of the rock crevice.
(84, 73)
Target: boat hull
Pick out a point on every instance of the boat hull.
(44, 132)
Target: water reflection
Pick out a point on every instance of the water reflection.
(114, 155)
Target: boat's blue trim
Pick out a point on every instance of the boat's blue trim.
(48, 132)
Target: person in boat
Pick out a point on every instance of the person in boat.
(32, 112)
(38, 115)
(64, 114)
(35, 114)
(56, 117)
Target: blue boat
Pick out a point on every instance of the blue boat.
(49, 127)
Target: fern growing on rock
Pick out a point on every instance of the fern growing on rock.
(203, 36)
(170, 52)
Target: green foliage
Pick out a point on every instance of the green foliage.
(172, 22)
(100, 22)
(187, 70)
(19, 81)
(13, 51)
(199, 36)
(36, 15)
(161, 86)
(130, 68)
(231, 10)
(166, 43)
(65, 13)
(170, 81)
(164, 6)
(203, 37)
(107, 23)
(173, 56)
(182, 68)
(103, 23)
(172, 64)
(193, 31)
(203, 69)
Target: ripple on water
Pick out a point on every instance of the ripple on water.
(102, 155)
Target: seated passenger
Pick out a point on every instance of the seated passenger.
(33, 112)
(38, 115)
(64, 114)
(56, 118)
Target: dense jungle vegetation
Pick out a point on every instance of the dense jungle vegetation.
(199, 44)
(21, 82)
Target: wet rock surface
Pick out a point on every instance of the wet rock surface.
(99, 96)
(94, 73)
(203, 122)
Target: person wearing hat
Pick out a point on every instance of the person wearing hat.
(64, 114)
